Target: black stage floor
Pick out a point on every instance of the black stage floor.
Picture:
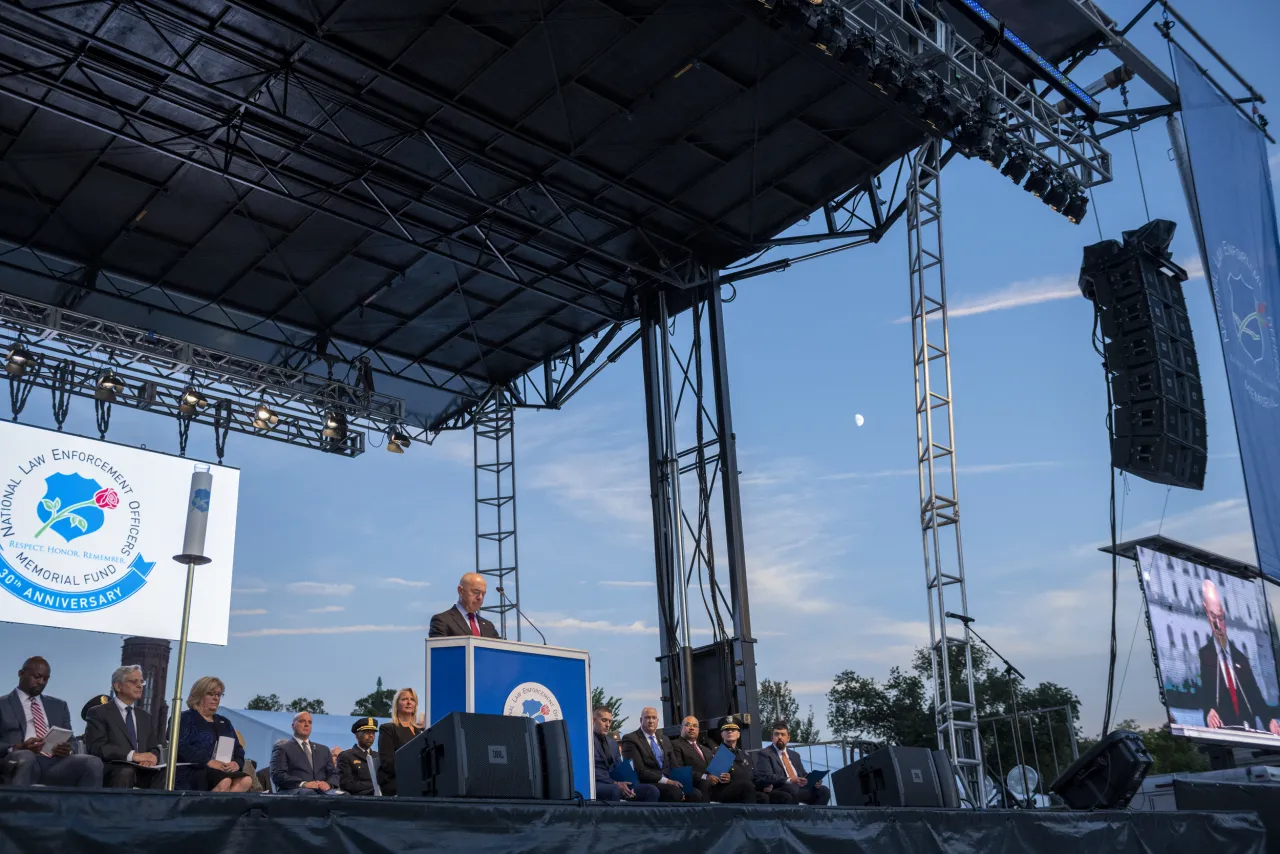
(34, 821)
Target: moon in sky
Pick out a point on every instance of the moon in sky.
(857, 419)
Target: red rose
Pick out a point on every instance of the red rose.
(107, 499)
(546, 710)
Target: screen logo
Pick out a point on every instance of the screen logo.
(533, 700)
(70, 524)
(1245, 319)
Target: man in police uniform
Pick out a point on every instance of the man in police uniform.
(357, 767)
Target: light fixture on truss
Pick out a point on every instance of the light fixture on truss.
(860, 52)
(19, 359)
(828, 32)
(191, 401)
(1058, 194)
(914, 92)
(264, 418)
(939, 112)
(1017, 166)
(108, 386)
(1077, 207)
(397, 441)
(335, 425)
(885, 74)
(1038, 184)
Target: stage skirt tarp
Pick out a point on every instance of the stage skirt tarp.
(35, 821)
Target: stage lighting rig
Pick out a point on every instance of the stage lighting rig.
(886, 74)
(108, 386)
(995, 151)
(828, 32)
(939, 112)
(1077, 207)
(335, 426)
(1017, 166)
(1039, 181)
(20, 358)
(1058, 194)
(190, 402)
(860, 52)
(264, 418)
(914, 92)
(397, 441)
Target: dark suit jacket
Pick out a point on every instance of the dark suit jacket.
(635, 746)
(605, 753)
(391, 738)
(13, 721)
(451, 624)
(290, 768)
(105, 736)
(1214, 693)
(769, 768)
(695, 756)
(355, 770)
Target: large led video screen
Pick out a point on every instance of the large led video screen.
(88, 531)
(1213, 641)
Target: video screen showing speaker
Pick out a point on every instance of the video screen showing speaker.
(1159, 420)
(474, 756)
(1212, 635)
(1108, 775)
(898, 777)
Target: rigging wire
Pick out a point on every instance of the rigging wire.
(1133, 139)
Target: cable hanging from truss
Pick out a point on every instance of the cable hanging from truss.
(63, 376)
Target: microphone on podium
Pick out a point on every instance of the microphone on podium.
(502, 595)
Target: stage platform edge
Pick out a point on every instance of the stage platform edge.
(34, 821)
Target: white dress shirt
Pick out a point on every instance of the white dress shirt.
(1224, 658)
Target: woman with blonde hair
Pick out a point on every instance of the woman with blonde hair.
(405, 723)
(198, 736)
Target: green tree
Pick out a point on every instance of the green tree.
(375, 705)
(302, 704)
(777, 703)
(614, 705)
(261, 703)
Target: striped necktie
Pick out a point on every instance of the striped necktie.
(37, 718)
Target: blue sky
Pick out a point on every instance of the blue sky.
(340, 563)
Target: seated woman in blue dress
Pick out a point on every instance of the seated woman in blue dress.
(198, 736)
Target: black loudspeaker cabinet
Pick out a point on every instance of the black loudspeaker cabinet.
(557, 761)
(898, 777)
(473, 756)
(1108, 775)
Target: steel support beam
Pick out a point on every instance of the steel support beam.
(950, 645)
(494, 432)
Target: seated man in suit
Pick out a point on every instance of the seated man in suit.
(650, 752)
(605, 751)
(122, 736)
(688, 750)
(299, 766)
(781, 768)
(464, 617)
(358, 767)
(26, 716)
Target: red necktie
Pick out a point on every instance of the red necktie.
(37, 718)
(1231, 686)
(475, 630)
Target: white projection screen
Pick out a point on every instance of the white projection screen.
(88, 531)
(1192, 610)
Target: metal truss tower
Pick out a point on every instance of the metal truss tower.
(494, 431)
(950, 650)
(693, 467)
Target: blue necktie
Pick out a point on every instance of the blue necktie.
(657, 751)
(130, 727)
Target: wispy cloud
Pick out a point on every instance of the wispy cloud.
(326, 630)
(327, 609)
(608, 482)
(1016, 295)
(1194, 267)
(394, 581)
(319, 588)
(627, 583)
(248, 590)
(249, 612)
(573, 624)
(984, 468)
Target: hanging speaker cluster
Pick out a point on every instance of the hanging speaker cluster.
(1159, 421)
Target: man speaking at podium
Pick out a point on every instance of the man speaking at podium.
(464, 617)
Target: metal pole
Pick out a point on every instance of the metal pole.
(672, 462)
(175, 714)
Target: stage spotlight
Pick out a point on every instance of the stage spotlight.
(939, 113)
(969, 137)
(1077, 207)
(191, 401)
(108, 386)
(1038, 183)
(860, 52)
(1056, 196)
(397, 441)
(20, 358)
(884, 75)
(335, 425)
(914, 92)
(826, 33)
(995, 151)
(264, 418)
(1016, 169)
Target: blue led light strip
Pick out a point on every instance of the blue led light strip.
(1052, 75)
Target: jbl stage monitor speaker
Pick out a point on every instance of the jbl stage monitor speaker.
(473, 756)
(898, 777)
(557, 761)
(1107, 775)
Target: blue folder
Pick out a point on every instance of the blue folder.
(683, 776)
(813, 778)
(624, 772)
(721, 762)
